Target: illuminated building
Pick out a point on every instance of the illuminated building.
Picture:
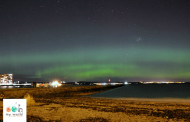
(6, 78)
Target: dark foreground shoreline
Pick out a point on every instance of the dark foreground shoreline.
(73, 104)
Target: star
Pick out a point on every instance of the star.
(139, 39)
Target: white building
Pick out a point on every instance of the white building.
(6, 79)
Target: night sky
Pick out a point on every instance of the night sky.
(95, 39)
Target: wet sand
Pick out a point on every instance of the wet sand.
(163, 100)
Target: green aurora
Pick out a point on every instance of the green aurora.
(116, 62)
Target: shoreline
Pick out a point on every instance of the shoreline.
(165, 100)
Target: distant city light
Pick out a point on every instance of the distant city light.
(159, 82)
(126, 83)
(6, 79)
(55, 84)
(104, 84)
(109, 80)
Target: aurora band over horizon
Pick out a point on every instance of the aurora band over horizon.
(97, 63)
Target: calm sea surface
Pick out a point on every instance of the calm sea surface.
(148, 91)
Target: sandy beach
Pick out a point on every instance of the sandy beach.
(73, 104)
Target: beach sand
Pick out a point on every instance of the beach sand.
(80, 108)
